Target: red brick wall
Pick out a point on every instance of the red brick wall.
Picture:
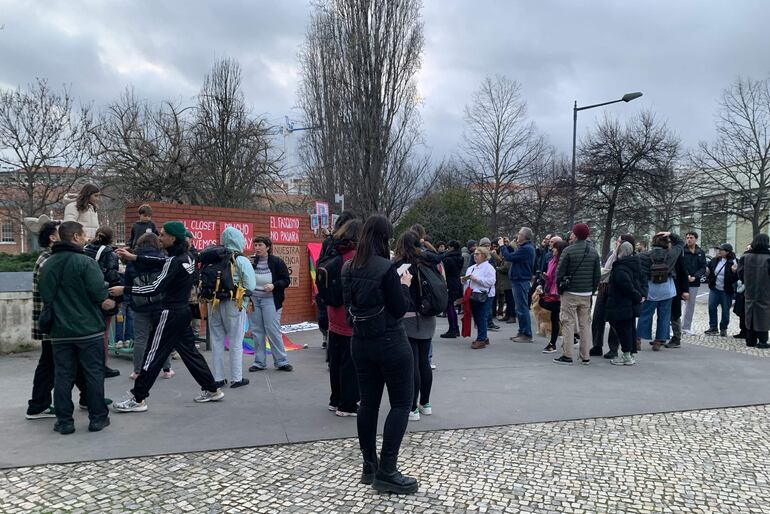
(299, 304)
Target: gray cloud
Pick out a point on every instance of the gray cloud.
(680, 54)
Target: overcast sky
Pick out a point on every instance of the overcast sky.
(679, 53)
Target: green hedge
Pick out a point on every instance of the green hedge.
(21, 262)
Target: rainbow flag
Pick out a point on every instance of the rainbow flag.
(313, 254)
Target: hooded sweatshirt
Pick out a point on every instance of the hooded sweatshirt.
(234, 240)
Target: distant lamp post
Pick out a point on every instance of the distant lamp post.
(626, 98)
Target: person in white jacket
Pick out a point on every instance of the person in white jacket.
(83, 210)
(480, 278)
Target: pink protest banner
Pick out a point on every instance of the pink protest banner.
(204, 232)
(247, 229)
(284, 230)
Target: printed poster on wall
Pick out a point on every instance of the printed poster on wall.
(291, 256)
(204, 232)
(284, 229)
(246, 228)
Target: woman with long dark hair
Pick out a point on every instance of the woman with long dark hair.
(83, 210)
(342, 372)
(419, 328)
(376, 299)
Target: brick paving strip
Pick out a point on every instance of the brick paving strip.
(696, 461)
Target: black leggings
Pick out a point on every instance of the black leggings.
(423, 374)
(626, 332)
(555, 309)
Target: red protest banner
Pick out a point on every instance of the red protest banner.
(204, 232)
(284, 230)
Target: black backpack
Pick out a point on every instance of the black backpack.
(145, 303)
(432, 292)
(328, 278)
(659, 271)
(217, 264)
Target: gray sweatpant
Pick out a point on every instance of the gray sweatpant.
(143, 322)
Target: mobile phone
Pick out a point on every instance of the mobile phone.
(403, 268)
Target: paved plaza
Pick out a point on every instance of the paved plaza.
(683, 431)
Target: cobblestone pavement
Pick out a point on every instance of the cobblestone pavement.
(697, 461)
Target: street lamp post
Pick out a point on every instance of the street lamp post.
(626, 98)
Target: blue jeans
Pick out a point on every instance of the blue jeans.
(521, 299)
(717, 298)
(265, 321)
(479, 310)
(663, 325)
(490, 311)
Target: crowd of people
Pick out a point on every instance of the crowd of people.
(379, 298)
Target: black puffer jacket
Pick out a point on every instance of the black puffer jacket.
(108, 262)
(623, 292)
(368, 289)
(453, 266)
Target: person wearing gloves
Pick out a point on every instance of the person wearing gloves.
(480, 280)
(228, 318)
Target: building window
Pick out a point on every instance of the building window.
(120, 233)
(7, 235)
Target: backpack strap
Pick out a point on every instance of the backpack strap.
(99, 252)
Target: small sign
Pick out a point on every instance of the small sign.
(204, 232)
(335, 217)
(291, 256)
(321, 208)
(314, 224)
(284, 230)
(324, 220)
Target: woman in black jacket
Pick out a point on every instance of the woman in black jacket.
(101, 250)
(623, 300)
(377, 299)
(722, 276)
(453, 265)
(267, 298)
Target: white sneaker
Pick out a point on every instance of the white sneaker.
(130, 405)
(414, 415)
(426, 409)
(689, 332)
(432, 366)
(208, 396)
(343, 414)
(118, 344)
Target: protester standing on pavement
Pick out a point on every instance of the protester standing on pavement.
(146, 309)
(522, 262)
(344, 397)
(377, 299)
(173, 330)
(419, 328)
(480, 280)
(721, 273)
(623, 301)
(695, 263)
(40, 405)
(755, 274)
(272, 279)
(550, 299)
(83, 210)
(453, 263)
(72, 286)
(228, 318)
(577, 277)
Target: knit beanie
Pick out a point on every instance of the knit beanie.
(581, 231)
(175, 228)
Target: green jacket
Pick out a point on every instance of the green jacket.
(74, 285)
(580, 261)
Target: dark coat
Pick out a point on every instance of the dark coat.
(695, 262)
(731, 277)
(108, 262)
(755, 273)
(580, 262)
(623, 294)
(281, 278)
(453, 265)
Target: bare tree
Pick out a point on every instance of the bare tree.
(45, 146)
(146, 153)
(358, 66)
(539, 200)
(500, 145)
(738, 161)
(231, 147)
(616, 160)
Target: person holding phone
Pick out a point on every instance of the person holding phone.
(480, 279)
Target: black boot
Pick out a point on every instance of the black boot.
(370, 468)
(451, 334)
(388, 479)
